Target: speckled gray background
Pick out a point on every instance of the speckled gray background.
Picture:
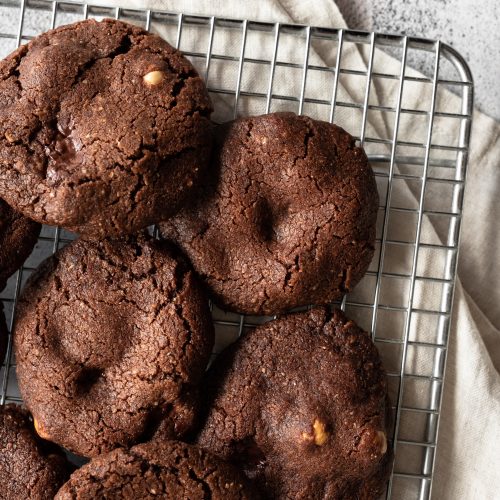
(470, 26)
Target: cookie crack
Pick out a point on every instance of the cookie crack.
(123, 47)
(291, 270)
(307, 138)
(179, 279)
(207, 491)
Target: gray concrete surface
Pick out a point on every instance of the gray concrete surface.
(470, 26)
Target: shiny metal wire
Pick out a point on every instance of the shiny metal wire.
(426, 163)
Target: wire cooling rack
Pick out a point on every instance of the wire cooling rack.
(418, 151)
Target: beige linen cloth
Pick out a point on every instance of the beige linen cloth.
(468, 457)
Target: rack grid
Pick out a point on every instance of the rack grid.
(418, 148)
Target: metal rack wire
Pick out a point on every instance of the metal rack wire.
(406, 297)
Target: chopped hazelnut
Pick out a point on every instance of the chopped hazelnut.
(39, 430)
(319, 434)
(154, 77)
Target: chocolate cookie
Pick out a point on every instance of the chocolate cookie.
(168, 469)
(300, 404)
(18, 236)
(111, 340)
(29, 467)
(4, 334)
(288, 220)
(103, 128)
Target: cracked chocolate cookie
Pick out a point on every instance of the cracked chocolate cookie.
(29, 467)
(287, 220)
(111, 341)
(4, 334)
(18, 236)
(300, 403)
(104, 128)
(168, 469)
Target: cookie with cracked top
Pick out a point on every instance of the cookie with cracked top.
(168, 469)
(300, 403)
(103, 128)
(111, 341)
(29, 467)
(18, 236)
(4, 334)
(288, 220)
